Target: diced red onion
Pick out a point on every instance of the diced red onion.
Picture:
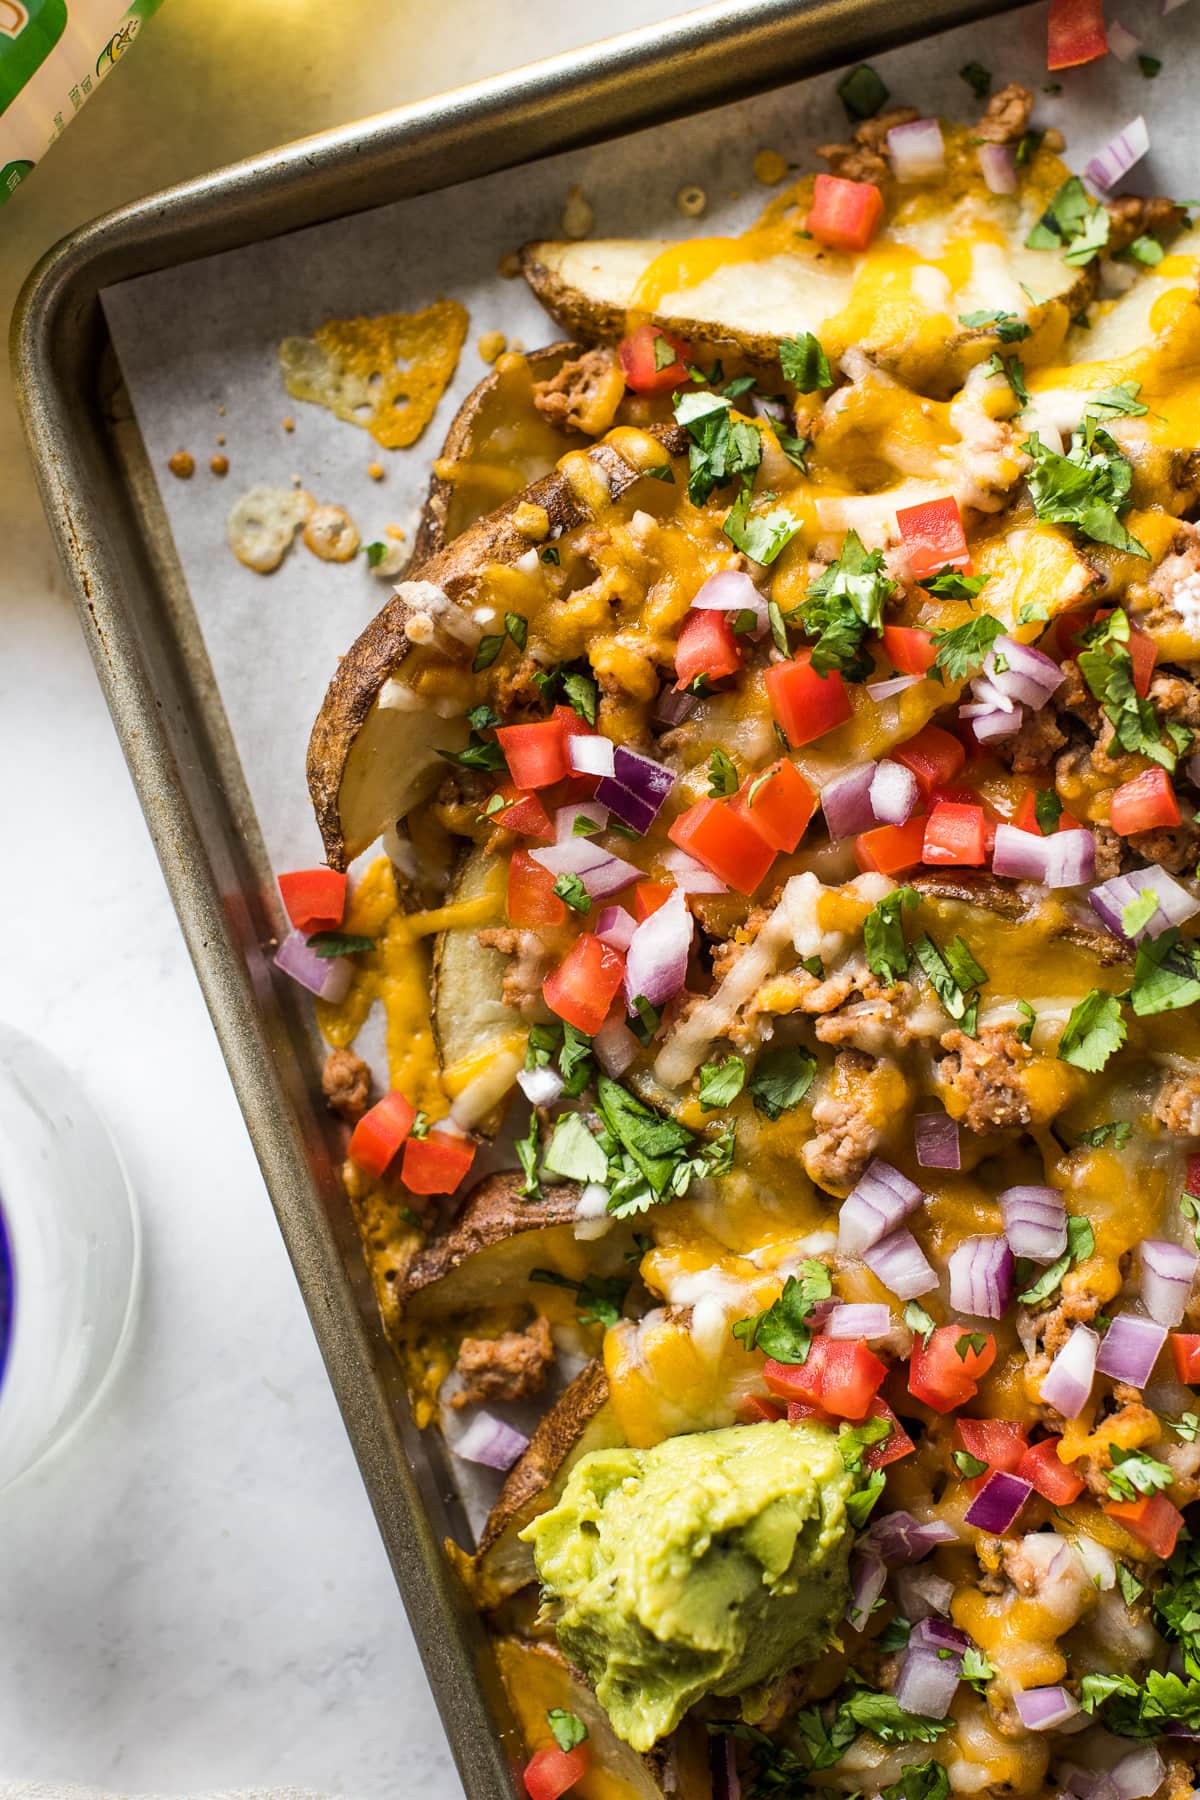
(691, 877)
(733, 591)
(1175, 904)
(541, 1087)
(490, 1441)
(917, 150)
(1027, 674)
(1066, 859)
(589, 753)
(1044, 1708)
(998, 1502)
(1035, 1222)
(923, 1594)
(672, 707)
(600, 871)
(939, 1634)
(895, 684)
(615, 927)
(1122, 42)
(868, 1578)
(981, 1277)
(1170, 6)
(859, 1319)
(615, 1047)
(657, 958)
(1168, 1271)
(846, 802)
(1118, 156)
(987, 727)
(899, 1262)
(722, 1767)
(901, 1539)
(770, 406)
(998, 167)
(879, 1200)
(1067, 1383)
(937, 1139)
(636, 788)
(1139, 1774)
(926, 1682)
(1085, 1784)
(328, 977)
(565, 817)
(893, 792)
(1130, 1348)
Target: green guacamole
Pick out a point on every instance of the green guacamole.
(710, 1564)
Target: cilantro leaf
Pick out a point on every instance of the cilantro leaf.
(1135, 1473)
(952, 974)
(1047, 810)
(1114, 1131)
(845, 603)
(721, 1083)
(1129, 1584)
(583, 696)
(652, 1158)
(977, 78)
(960, 649)
(374, 554)
(976, 1669)
(855, 1440)
(781, 1079)
(1028, 1021)
(860, 1503)
(339, 943)
(887, 1720)
(575, 1063)
(927, 1780)
(760, 536)
(1073, 224)
(478, 754)
(1094, 1031)
(599, 1298)
(1007, 326)
(804, 363)
(862, 91)
(919, 1322)
(1139, 911)
(1107, 666)
(722, 775)
(527, 1155)
(567, 1729)
(952, 584)
(1121, 398)
(719, 447)
(883, 935)
(1166, 974)
(1087, 488)
(969, 1466)
(1080, 1244)
(486, 652)
(571, 889)
(782, 1330)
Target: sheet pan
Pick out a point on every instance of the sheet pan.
(223, 796)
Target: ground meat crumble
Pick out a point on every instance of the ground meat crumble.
(509, 1367)
(346, 1085)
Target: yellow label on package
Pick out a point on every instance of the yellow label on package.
(53, 54)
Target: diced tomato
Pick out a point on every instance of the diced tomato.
(806, 703)
(648, 896)
(1000, 1443)
(909, 648)
(1143, 654)
(1147, 803)
(531, 898)
(799, 1412)
(380, 1132)
(933, 536)
(939, 1376)
(891, 849)
(1192, 1176)
(536, 754)
(934, 756)
(725, 842)
(1053, 1479)
(1185, 1348)
(550, 1772)
(706, 646)
(955, 834)
(840, 1376)
(891, 1448)
(1025, 817)
(844, 214)
(315, 899)
(778, 804)
(523, 813)
(571, 722)
(437, 1163)
(641, 353)
(1075, 33)
(756, 1411)
(585, 984)
(1152, 1520)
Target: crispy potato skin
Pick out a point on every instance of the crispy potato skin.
(495, 1214)
(380, 649)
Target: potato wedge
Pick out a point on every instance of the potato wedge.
(402, 691)
(896, 302)
(470, 1018)
(497, 444)
(537, 1678)
(580, 1420)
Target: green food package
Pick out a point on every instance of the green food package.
(53, 55)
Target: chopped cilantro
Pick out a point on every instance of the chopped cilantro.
(1013, 371)
(895, 1634)
(583, 696)
(760, 536)
(487, 650)
(527, 1155)
(598, 1297)
(721, 1083)
(1116, 1132)
(573, 1154)
(1134, 1473)
(1107, 667)
(652, 1158)
(977, 78)
(1140, 910)
(920, 1781)
(778, 629)
(543, 1041)
(887, 1720)
(1120, 398)
(661, 472)
(970, 1343)
(479, 754)
(1073, 224)
(646, 1018)
(741, 384)
(861, 1502)
(1081, 1242)
(1093, 1032)
(1187, 1426)
(1149, 65)
(1034, 612)
(575, 1062)
(883, 935)
(1047, 810)
(969, 1466)
(720, 447)
(374, 554)
(567, 1729)
(804, 363)
(551, 554)
(722, 775)
(862, 91)
(1028, 1021)
(845, 603)
(977, 1671)
(952, 973)
(516, 626)
(1131, 1588)
(1007, 326)
(783, 1331)
(1166, 975)
(855, 1440)
(339, 943)
(919, 1322)
(781, 1079)
(665, 355)
(952, 584)
(1145, 250)
(482, 718)
(793, 448)
(960, 649)
(1087, 488)
(571, 889)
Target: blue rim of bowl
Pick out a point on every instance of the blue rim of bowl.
(7, 1286)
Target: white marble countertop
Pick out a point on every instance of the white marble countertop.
(194, 1592)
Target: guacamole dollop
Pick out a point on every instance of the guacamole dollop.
(709, 1564)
